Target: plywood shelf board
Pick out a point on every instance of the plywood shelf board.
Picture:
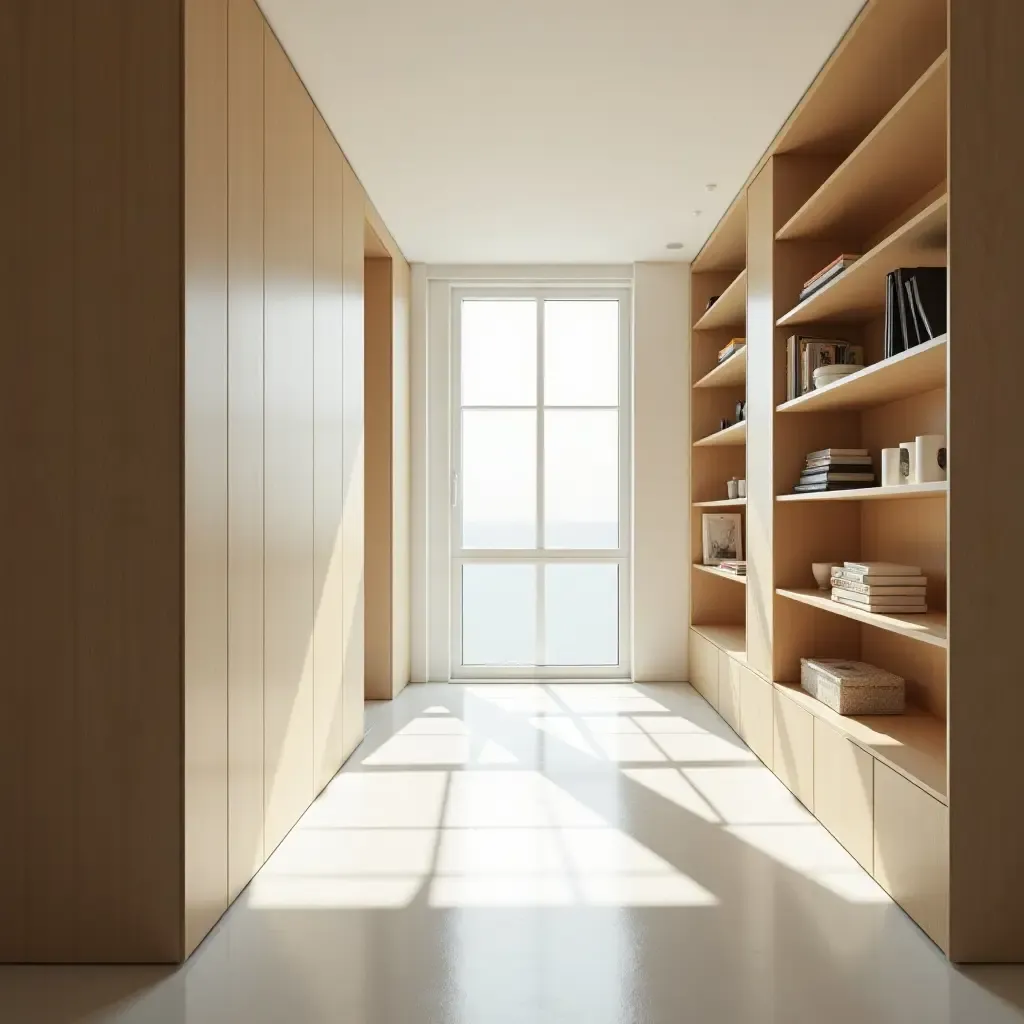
(731, 639)
(901, 492)
(929, 628)
(858, 294)
(914, 744)
(731, 436)
(722, 503)
(900, 160)
(916, 371)
(729, 309)
(728, 374)
(720, 573)
(726, 246)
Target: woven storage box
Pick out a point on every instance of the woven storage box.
(852, 687)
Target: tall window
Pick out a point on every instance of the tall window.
(540, 491)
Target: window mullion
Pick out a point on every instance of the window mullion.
(541, 539)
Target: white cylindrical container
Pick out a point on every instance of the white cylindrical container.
(743, 488)
(733, 488)
(930, 456)
(908, 468)
(891, 467)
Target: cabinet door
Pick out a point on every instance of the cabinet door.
(729, 690)
(757, 714)
(912, 851)
(704, 668)
(844, 789)
(793, 749)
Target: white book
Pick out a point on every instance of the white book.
(878, 599)
(883, 568)
(884, 609)
(876, 590)
(874, 580)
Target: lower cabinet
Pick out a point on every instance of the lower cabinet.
(844, 787)
(757, 714)
(729, 690)
(911, 851)
(704, 667)
(793, 757)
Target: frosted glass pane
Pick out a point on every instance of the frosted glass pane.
(581, 353)
(499, 615)
(581, 614)
(499, 352)
(581, 479)
(499, 478)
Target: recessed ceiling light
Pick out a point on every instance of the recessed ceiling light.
(674, 245)
(711, 186)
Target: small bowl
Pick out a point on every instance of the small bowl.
(823, 574)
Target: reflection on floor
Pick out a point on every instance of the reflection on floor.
(546, 854)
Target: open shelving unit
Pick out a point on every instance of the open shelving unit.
(713, 570)
(868, 163)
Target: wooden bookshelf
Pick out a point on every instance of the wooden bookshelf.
(726, 247)
(914, 744)
(730, 437)
(858, 294)
(913, 372)
(929, 628)
(731, 639)
(902, 492)
(721, 503)
(729, 374)
(729, 310)
(720, 573)
(902, 159)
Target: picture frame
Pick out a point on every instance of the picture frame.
(722, 538)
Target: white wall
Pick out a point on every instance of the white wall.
(661, 470)
(660, 466)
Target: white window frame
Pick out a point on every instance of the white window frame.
(539, 556)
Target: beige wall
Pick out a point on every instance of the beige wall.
(187, 494)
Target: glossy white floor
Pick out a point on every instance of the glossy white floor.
(557, 854)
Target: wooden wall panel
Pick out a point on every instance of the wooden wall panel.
(353, 461)
(128, 496)
(328, 454)
(288, 368)
(206, 466)
(378, 311)
(401, 478)
(37, 686)
(986, 699)
(245, 443)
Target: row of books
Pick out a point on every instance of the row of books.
(734, 346)
(884, 587)
(805, 355)
(836, 469)
(915, 307)
(829, 273)
(737, 568)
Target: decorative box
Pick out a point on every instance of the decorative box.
(852, 687)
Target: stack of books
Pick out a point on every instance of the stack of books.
(836, 469)
(915, 307)
(805, 355)
(880, 587)
(734, 346)
(737, 568)
(829, 273)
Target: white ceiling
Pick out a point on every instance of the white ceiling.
(555, 131)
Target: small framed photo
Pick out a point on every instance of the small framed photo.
(723, 538)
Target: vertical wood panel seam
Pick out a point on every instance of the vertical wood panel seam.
(227, 454)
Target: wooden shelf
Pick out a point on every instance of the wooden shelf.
(731, 436)
(913, 372)
(720, 573)
(723, 503)
(901, 492)
(731, 373)
(914, 744)
(858, 294)
(729, 310)
(902, 159)
(929, 628)
(731, 639)
(726, 247)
